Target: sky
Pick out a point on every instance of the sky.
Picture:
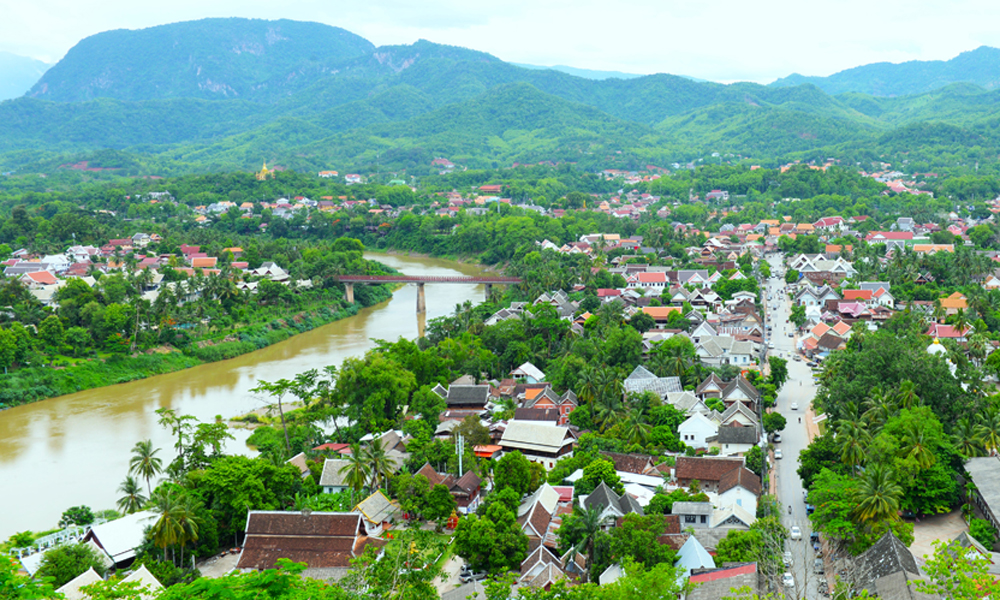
(723, 40)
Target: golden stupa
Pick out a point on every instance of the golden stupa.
(264, 173)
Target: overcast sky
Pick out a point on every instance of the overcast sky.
(723, 40)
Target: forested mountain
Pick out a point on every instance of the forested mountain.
(227, 93)
(980, 66)
(212, 58)
(18, 74)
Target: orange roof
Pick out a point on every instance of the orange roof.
(841, 328)
(857, 294)
(207, 262)
(660, 312)
(486, 451)
(820, 330)
(932, 248)
(532, 393)
(805, 227)
(956, 300)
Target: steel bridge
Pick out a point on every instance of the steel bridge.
(349, 282)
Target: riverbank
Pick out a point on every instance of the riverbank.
(32, 384)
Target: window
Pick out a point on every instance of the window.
(690, 519)
(704, 519)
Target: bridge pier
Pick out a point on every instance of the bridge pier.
(349, 291)
(489, 291)
(421, 299)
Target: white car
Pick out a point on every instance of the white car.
(787, 558)
(787, 580)
(777, 453)
(796, 533)
(795, 406)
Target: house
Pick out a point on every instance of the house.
(378, 511)
(120, 538)
(638, 464)
(528, 373)
(707, 470)
(888, 570)
(544, 444)
(953, 303)
(466, 491)
(697, 515)
(299, 460)
(697, 430)
(736, 440)
(141, 576)
(563, 405)
(332, 480)
(693, 557)
(740, 487)
(985, 474)
(464, 397)
(326, 541)
(611, 505)
(719, 583)
(725, 350)
(642, 380)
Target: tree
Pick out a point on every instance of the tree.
(374, 390)
(439, 503)
(66, 562)
(798, 315)
(144, 462)
(642, 322)
(380, 464)
(356, 471)
(277, 389)
(600, 470)
(579, 531)
(754, 459)
(877, 495)
(178, 521)
(513, 471)
(493, 542)
(77, 515)
(954, 572)
(23, 587)
(132, 500)
(50, 330)
(774, 422)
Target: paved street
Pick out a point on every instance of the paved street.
(798, 389)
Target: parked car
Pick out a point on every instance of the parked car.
(786, 558)
(797, 358)
(787, 580)
(776, 438)
(810, 509)
(790, 334)
(796, 533)
(777, 453)
(810, 364)
(818, 566)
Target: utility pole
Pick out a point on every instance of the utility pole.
(460, 448)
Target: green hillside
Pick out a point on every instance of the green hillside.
(249, 59)
(980, 66)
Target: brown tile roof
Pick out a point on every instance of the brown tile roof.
(433, 476)
(321, 540)
(639, 464)
(467, 484)
(705, 469)
(743, 477)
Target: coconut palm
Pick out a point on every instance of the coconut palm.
(584, 526)
(989, 428)
(133, 498)
(167, 530)
(144, 462)
(977, 348)
(967, 438)
(877, 496)
(917, 446)
(907, 396)
(852, 438)
(637, 427)
(382, 466)
(355, 472)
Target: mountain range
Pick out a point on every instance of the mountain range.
(18, 74)
(226, 93)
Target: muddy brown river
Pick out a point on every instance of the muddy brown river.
(74, 449)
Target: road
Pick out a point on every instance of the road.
(799, 389)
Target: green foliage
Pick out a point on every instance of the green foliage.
(66, 562)
(492, 542)
(513, 471)
(774, 422)
(597, 471)
(76, 515)
(983, 532)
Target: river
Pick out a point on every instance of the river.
(74, 449)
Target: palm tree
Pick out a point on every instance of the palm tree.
(167, 530)
(584, 527)
(356, 471)
(852, 439)
(977, 348)
(381, 464)
(961, 321)
(133, 498)
(608, 411)
(877, 496)
(907, 394)
(637, 426)
(144, 462)
(989, 428)
(916, 445)
(967, 439)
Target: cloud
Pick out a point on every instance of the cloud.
(725, 40)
